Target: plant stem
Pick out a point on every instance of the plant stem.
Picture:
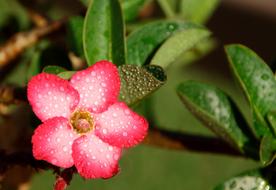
(12, 95)
(180, 141)
(23, 40)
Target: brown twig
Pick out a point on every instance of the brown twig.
(180, 141)
(37, 19)
(22, 40)
(76, 61)
(23, 159)
(12, 95)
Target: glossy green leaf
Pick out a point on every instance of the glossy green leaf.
(177, 44)
(142, 43)
(103, 32)
(254, 180)
(139, 82)
(268, 149)
(131, 8)
(213, 108)
(53, 69)
(258, 83)
(198, 11)
(74, 35)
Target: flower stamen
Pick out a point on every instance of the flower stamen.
(82, 121)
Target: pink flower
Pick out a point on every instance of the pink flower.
(83, 122)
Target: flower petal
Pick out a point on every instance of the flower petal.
(51, 96)
(120, 126)
(52, 142)
(98, 86)
(94, 158)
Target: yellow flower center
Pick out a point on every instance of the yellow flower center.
(82, 121)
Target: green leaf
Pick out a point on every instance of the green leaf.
(74, 35)
(142, 43)
(213, 108)
(131, 8)
(258, 83)
(271, 118)
(177, 44)
(139, 82)
(59, 71)
(103, 32)
(254, 180)
(199, 51)
(268, 149)
(198, 11)
(53, 69)
(86, 2)
(66, 74)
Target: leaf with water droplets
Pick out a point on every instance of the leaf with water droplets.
(177, 44)
(103, 33)
(142, 43)
(139, 82)
(258, 83)
(254, 180)
(215, 110)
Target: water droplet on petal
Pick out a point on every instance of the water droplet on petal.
(104, 131)
(65, 149)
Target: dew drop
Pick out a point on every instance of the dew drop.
(65, 149)
(265, 77)
(127, 112)
(104, 131)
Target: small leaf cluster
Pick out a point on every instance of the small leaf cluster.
(218, 112)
